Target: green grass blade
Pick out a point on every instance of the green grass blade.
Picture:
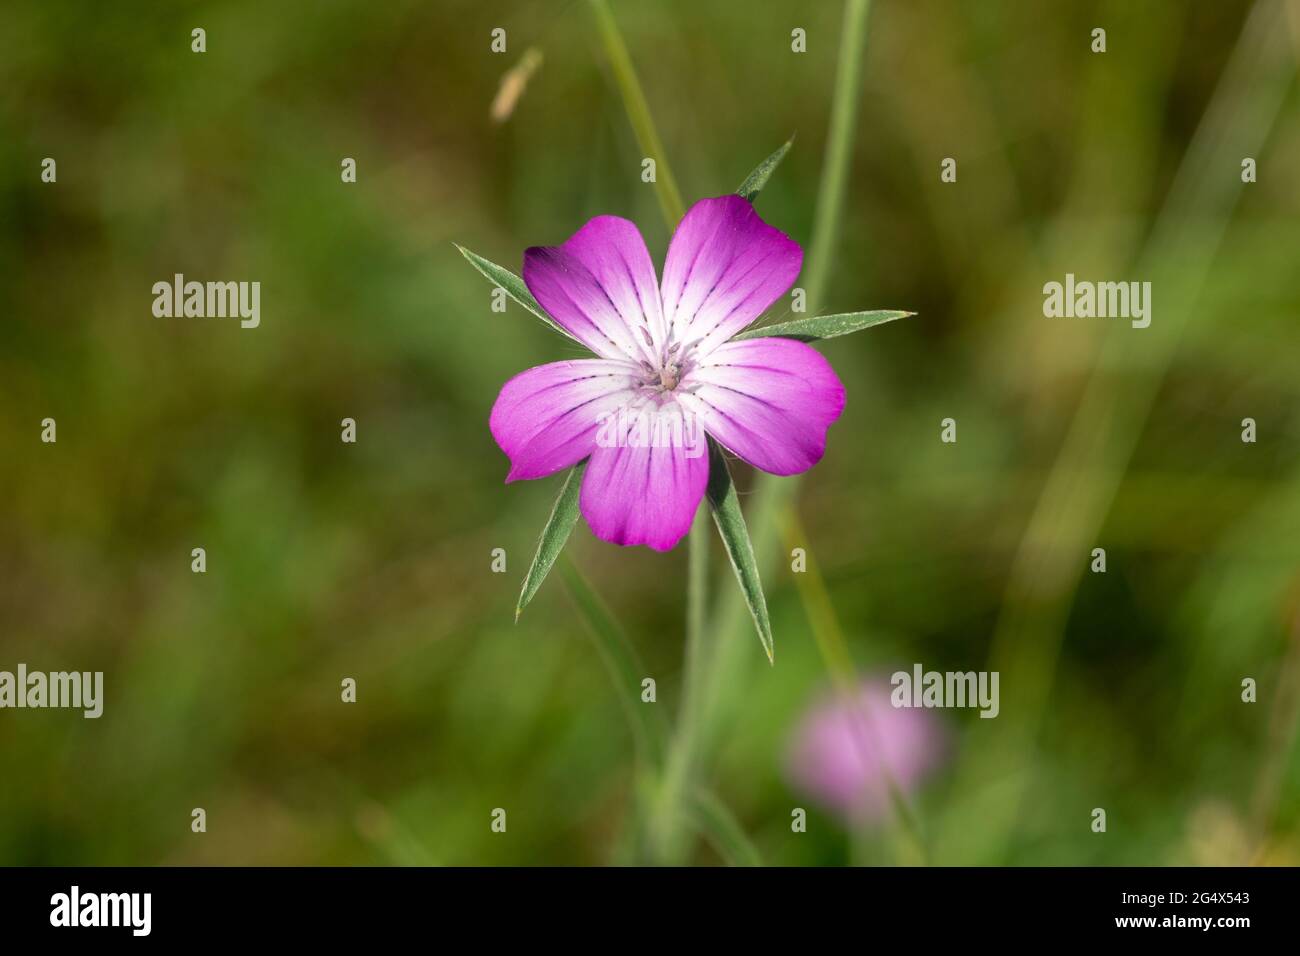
(735, 537)
(825, 326)
(622, 662)
(514, 287)
(558, 528)
(716, 823)
(756, 180)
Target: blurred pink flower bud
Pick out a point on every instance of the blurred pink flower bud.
(846, 750)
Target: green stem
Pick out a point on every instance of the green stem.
(697, 590)
(839, 146)
(702, 680)
(638, 112)
(621, 660)
(697, 582)
(772, 494)
(716, 823)
(668, 811)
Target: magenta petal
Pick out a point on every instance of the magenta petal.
(768, 400)
(547, 418)
(601, 286)
(725, 266)
(645, 495)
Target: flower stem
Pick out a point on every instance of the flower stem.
(697, 601)
(706, 675)
(667, 837)
(773, 495)
(703, 667)
(638, 112)
(668, 810)
(622, 662)
(839, 145)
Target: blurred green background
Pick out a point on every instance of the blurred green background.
(372, 560)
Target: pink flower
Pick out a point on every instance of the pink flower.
(665, 357)
(846, 751)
